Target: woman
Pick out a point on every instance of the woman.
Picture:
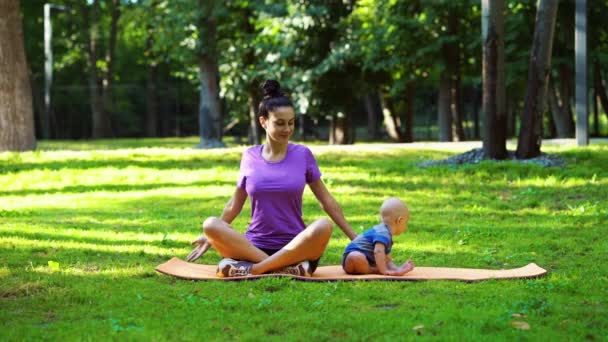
(273, 175)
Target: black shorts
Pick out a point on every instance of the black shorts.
(313, 263)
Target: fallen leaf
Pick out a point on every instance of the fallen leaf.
(518, 315)
(53, 265)
(418, 329)
(520, 325)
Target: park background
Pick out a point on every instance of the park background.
(357, 70)
(104, 182)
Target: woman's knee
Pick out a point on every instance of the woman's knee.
(212, 226)
(324, 227)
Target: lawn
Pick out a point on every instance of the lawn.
(82, 226)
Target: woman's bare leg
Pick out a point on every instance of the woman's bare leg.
(230, 243)
(356, 263)
(308, 245)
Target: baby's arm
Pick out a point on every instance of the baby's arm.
(382, 259)
(385, 265)
(390, 264)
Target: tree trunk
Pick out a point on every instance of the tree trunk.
(372, 115)
(566, 91)
(562, 118)
(493, 98)
(391, 121)
(210, 124)
(444, 115)
(530, 135)
(601, 89)
(477, 103)
(152, 120)
(152, 100)
(107, 98)
(456, 110)
(551, 125)
(410, 97)
(170, 104)
(37, 102)
(16, 111)
(451, 53)
(255, 131)
(100, 121)
(510, 118)
(596, 111)
(341, 133)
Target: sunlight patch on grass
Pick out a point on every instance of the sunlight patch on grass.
(109, 199)
(101, 236)
(113, 179)
(90, 271)
(141, 249)
(552, 181)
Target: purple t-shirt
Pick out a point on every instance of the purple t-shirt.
(275, 190)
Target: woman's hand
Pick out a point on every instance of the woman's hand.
(202, 245)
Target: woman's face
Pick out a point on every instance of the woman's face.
(280, 124)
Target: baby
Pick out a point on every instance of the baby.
(370, 251)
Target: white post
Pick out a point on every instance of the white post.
(48, 68)
(581, 98)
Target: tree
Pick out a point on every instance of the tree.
(91, 23)
(560, 111)
(531, 133)
(560, 90)
(493, 73)
(382, 36)
(108, 76)
(16, 115)
(209, 112)
(449, 114)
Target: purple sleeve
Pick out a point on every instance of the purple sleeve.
(312, 169)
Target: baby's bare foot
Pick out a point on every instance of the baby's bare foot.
(407, 266)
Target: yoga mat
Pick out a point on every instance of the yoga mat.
(186, 270)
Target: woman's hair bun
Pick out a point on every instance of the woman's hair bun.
(271, 88)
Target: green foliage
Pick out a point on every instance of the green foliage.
(83, 224)
(328, 54)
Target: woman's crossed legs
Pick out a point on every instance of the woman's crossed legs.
(307, 245)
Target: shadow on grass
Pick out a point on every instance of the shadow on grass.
(229, 161)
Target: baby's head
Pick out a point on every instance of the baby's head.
(395, 214)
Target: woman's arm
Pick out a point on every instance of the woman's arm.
(331, 207)
(233, 208)
(230, 212)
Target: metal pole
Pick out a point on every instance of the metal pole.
(48, 71)
(580, 48)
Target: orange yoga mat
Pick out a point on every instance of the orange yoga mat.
(186, 270)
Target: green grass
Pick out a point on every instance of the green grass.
(82, 227)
